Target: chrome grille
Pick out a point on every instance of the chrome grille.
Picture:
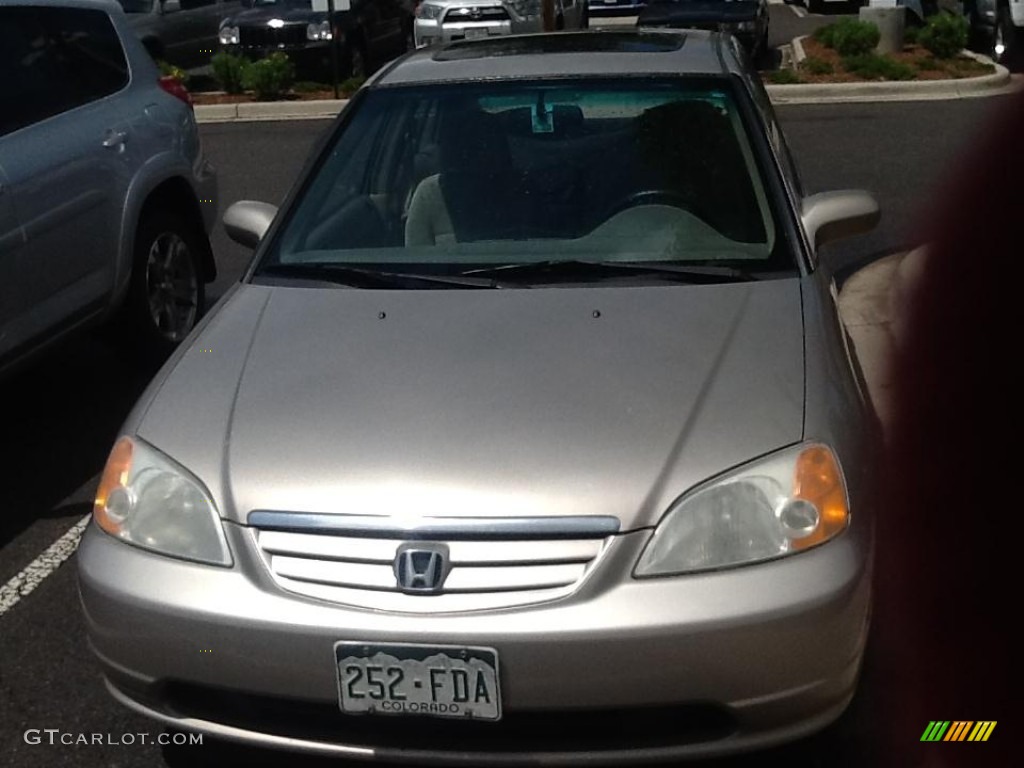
(269, 37)
(469, 14)
(493, 563)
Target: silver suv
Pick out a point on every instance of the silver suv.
(442, 21)
(106, 198)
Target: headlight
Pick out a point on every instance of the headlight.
(428, 11)
(788, 502)
(147, 500)
(228, 36)
(321, 31)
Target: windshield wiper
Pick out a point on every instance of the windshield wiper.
(582, 268)
(367, 277)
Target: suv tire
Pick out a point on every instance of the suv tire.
(166, 296)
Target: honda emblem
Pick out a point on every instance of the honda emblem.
(421, 569)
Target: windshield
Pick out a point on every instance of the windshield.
(445, 179)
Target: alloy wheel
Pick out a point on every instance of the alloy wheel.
(172, 287)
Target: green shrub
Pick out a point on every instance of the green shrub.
(784, 77)
(854, 38)
(826, 35)
(849, 36)
(169, 70)
(945, 35)
(229, 71)
(817, 66)
(271, 77)
(351, 85)
(871, 66)
(910, 35)
(928, 64)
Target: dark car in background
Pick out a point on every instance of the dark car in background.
(747, 20)
(371, 32)
(180, 32)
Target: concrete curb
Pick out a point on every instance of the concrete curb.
(799, 54)
(269, 110)
(926, 90)
(874, 303)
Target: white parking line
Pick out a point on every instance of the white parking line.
(48, 562)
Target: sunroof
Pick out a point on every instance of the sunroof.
(575, 42)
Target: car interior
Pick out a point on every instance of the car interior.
(487, 170)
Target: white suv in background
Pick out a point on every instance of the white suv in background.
(441, 21)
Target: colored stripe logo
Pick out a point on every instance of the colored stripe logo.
(958, 730)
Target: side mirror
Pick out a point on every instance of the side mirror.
(170, 6)
(830, 216)
(247, 221)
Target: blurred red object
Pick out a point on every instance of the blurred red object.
(946, 588)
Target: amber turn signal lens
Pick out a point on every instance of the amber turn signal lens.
(819, 481)
(112, 484)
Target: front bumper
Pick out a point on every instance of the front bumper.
(433, 31)
(730, 660)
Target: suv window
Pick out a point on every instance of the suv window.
(56, 59)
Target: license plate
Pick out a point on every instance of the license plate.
(476, 31)
(432, 680)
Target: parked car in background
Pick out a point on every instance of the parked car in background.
(180, 32)
(997, 29)
(530, 436)
(101, 177)
(747, 20)
(615, 7)
(371, 32)
(442, 21)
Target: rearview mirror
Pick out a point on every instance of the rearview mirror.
(830, 216)
(248, 220)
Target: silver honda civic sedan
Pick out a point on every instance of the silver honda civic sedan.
(530, 434)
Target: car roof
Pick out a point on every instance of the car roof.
(567, 54)
(110, 6)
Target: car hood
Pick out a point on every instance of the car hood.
(477, 403)
(259, 17)
(694, 11)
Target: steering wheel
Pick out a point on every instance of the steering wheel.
(669, 197)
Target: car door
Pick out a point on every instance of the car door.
(62, 148)
(11, 241)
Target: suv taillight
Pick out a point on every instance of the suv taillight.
(175, 87)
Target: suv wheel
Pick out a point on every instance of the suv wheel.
(166, 295)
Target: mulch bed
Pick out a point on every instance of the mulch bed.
(913, 55)
(219, 97)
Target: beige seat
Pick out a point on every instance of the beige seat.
(472, 198)
(428, 222)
